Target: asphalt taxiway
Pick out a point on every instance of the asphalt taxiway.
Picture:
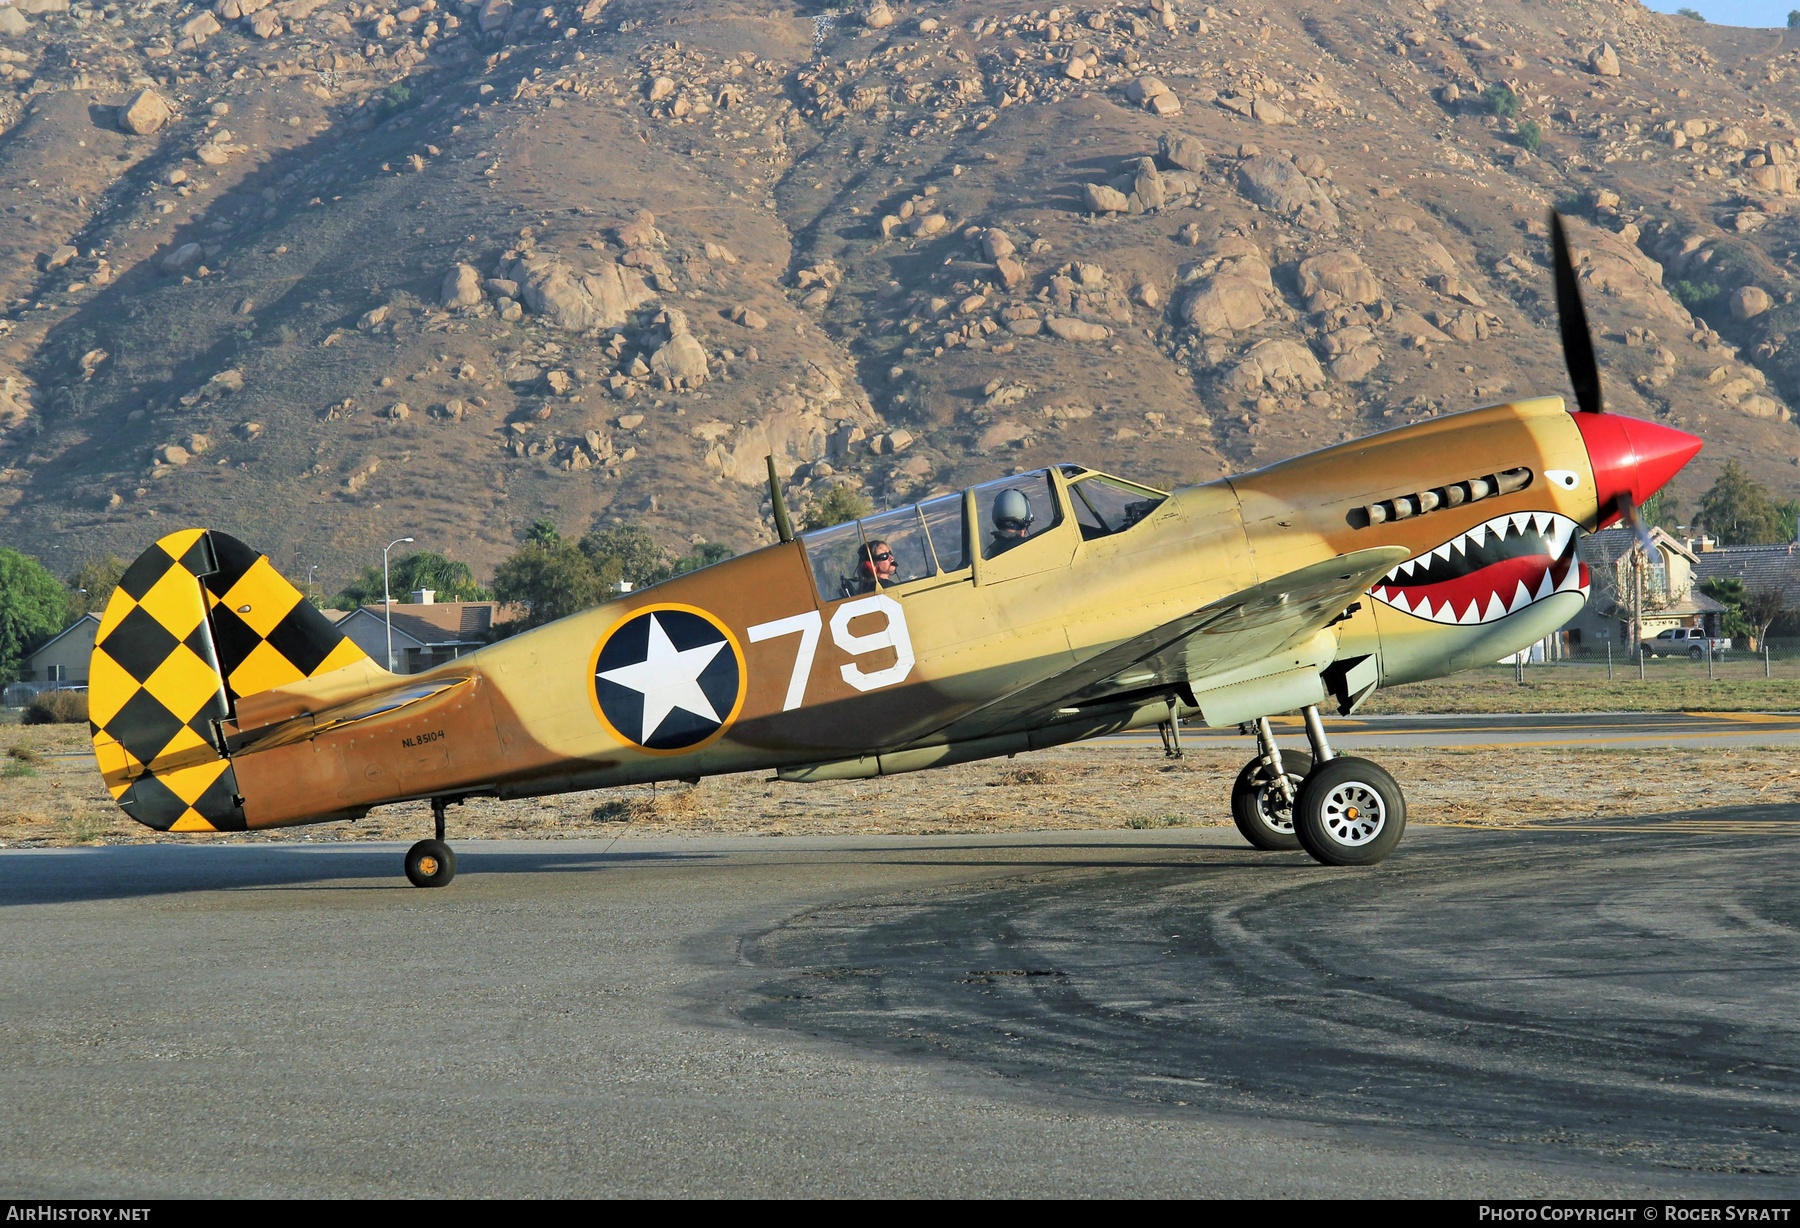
(1600, 730)
(1598, 1009)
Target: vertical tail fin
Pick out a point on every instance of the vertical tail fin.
(198, 620)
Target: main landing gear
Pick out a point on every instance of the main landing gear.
(1342, 810)
(432, 863)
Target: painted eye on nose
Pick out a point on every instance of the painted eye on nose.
(1568, 479)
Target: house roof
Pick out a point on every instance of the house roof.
(93, 618)
(1759, 567)
(441, 623)
(1608, 546)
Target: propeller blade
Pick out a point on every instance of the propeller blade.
(1578, 343)
(1628, 511)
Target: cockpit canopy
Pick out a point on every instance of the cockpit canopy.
(933, 538)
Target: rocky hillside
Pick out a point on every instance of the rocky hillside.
(324, 274)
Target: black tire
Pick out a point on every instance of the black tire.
(1255, 802)
(1332, 814)
(1695, 654)
(430, 863)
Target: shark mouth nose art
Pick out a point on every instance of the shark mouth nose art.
(1497, 568)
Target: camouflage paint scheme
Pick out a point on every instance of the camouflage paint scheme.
(1226, 602)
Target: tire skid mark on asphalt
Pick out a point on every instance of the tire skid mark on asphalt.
(1491, 987)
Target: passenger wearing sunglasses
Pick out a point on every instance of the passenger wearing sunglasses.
(875, 567)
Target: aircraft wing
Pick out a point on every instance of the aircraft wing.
(1234, 631)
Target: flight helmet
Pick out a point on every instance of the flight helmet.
(1012, 512)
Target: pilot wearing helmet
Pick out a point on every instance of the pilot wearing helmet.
(1012, 517)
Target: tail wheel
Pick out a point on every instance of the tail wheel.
(1350, 812)
(430, 863)
(1262, 814)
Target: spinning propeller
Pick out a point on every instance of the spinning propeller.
(1632, 459)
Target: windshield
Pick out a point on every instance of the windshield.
(1104, 506)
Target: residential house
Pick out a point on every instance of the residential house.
(63, 659)
(427, 632)
(1758, 567)
(1670, 596)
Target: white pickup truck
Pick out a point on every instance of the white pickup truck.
(1685, 641)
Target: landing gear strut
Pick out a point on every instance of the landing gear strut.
(1343, 810)
(431, 863)
(1171, 736)
(1262, 799)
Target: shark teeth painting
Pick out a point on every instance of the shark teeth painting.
(1495, 569)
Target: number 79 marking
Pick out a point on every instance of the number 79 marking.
(807, 625)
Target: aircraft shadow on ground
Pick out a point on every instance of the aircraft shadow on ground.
(54, 876)
(129, 871)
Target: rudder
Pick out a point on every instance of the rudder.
(198, 620)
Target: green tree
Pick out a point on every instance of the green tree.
(450, 579)
(629, 550)
(1690, 14)
(1730, 594)
(1662, 511)
(1501, 101)
(33, 607)
(543, 531)
(551, 581)
(1530, 135)
(1739, 511)
(840, 504)
(93, 584)
(1793, 19)
(705, 554)
(1762, 607)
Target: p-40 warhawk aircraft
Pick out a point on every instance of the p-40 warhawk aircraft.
(1034, 610)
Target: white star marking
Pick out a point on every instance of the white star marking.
(668, 678)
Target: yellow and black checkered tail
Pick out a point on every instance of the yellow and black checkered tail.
(199, 620)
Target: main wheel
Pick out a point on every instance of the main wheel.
(1695, 653)
(1261, 813)
(1350, 812)
(430, 863)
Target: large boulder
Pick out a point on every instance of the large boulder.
(144, 114)
(1148, 184)
(575, 301)
(1604, 61)
(680, 358)
(1144, 89)
(1225, 304)
(1783, 178)
(1102, 199)
(1275, 183)
(1183, 152)
(1748, 301)
(1071, 329)
(1279, 364)
(462, 287)
(183, 258)
(1341, 273)
(1607, 264)
(1356, 364)
(12, 22)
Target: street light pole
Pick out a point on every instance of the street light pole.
(387, 599)
(309, 580)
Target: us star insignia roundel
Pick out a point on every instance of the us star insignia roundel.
(668, 678)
